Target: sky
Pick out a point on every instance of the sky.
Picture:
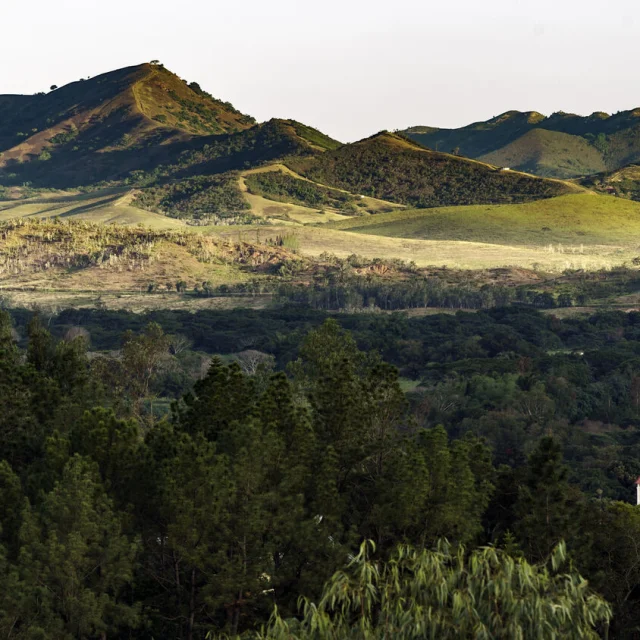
(348, 67)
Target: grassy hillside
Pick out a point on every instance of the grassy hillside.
(479, 138)
(105, 206)
(575, 220)
(597, 142)
(326, 239)
(390, 167)
(549, 153)
(262, 143)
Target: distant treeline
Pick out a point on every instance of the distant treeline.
(416, 293)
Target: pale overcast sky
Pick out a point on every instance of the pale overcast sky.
(348, 67)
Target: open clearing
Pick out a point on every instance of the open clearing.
(578, 231)
(105, 206)
(575, 219)
(313, 241)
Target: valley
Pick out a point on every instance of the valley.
(232, 353)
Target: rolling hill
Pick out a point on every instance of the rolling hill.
(574, 220)
(140, 147)
(393, 168)
(562, 145)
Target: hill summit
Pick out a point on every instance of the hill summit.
(395, 168)
(86, 125)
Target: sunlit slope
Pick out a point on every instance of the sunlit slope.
(315, 241)
(561, 145)
(105, 206)
(549, 153)
(576, 219)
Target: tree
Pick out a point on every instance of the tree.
(271, 527)
(548, 507)
(179, 343)
(75, 560)
(182, 508)
(141, 357)
(608, 551)
(447, 594)
(252, 361)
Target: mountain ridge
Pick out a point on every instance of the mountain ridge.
(598, 142)
(144, 127)
(130, 108)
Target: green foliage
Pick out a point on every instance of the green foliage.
(446, 593)
(142, 355)
(314, 136)
(64, 137)
(74, 561)
(200, 197)
(388, 167)
(562, 145)
(624, 183)
(546, 509)
(235, 488)
(282, 187)
(116, 130)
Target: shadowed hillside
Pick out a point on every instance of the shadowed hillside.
(87, 130)
(564, 144)
(393, 168)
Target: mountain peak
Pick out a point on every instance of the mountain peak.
(130, 108)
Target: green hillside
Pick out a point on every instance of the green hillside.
(105, 206)
(393, 168)
(550, 154)
(573, 220)
(145, 128)
(478, 138)
(588, 144)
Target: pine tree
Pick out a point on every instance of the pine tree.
(548, 507)
(74, 559)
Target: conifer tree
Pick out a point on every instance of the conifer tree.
(548, 507)
(74, 559)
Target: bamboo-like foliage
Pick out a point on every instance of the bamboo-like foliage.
(447, 593)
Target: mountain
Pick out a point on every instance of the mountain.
(87, 130)
(170, 148)
(562, 145)
(395, 168)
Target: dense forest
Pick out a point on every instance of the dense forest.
(194, 475)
